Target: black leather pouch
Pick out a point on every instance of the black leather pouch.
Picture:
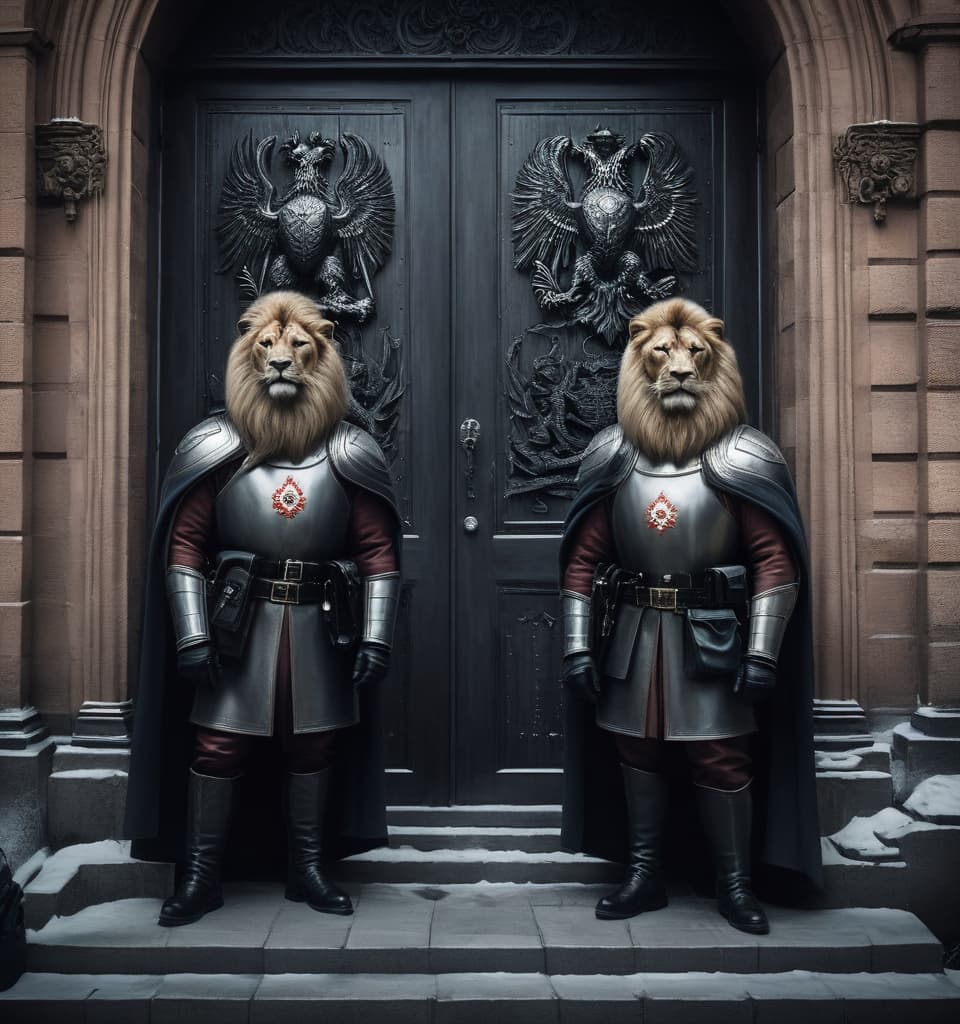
(342, 602)
(603, 608)
(713, 646)
(231, 608)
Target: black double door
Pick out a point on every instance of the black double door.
(473, 702)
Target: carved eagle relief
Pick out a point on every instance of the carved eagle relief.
(311, 237)
(635, 245)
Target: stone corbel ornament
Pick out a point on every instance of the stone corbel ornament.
(70, 162)
(878, 163)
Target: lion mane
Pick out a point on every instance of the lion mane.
(295, 426)
(719, 405)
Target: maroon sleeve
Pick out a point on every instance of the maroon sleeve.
(371, 532)
(768, 554)
(192, 533)
(592, 544)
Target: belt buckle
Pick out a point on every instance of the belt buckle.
(282, 592)
(663, 598)
(293, 570)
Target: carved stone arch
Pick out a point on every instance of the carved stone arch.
(840, 72)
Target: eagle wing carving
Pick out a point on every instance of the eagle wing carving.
(545, 227)
(665, 227)
(363, 208)
(247, 226)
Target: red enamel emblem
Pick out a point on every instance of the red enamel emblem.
(661, 513)
(289, 499)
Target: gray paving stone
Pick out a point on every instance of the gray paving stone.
(797, 997)
(893, 998)
(38, 997)
(121, 999)
(695, 998)
(479, 931)
(301, 940)
(506, 998)
(597, 999)
(899, 941)
(813, 940)
(576, 942)
(203, 999)
(344, 999)
(391, 932)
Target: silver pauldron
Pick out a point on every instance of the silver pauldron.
(187, 594)
(381, 598)
(769, 613)
(576, 622)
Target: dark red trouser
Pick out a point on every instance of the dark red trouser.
(224, 754)
(716, 764)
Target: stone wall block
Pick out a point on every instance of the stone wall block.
(17, 84)
(943, 674)
(894, 422)
(12, 495)
(13, 285)
(943, 541)
(13, 353)
(941, 216)
(893, 353)
(11, 420)
(50, 410)
(888, 540)
(943, 285)
(888, 677)
(941, 81)
(890, 601)
(943, 597)
(16, 225)
(14, 645)
(784, 178)
(943, 421)
(12, 583)
(51, 361)
(893, 289)
(16, 166)
(941, 161)
(894, 486)
(779, 104)
(943, 353)
(944, 486)
(897, 239)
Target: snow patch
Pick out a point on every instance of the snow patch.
(860, 837)
(936, 799)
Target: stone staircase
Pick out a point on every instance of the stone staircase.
(472, 914)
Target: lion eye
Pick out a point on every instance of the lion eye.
(694, 349)
(266, 343)
(299, 343)
(662, 348)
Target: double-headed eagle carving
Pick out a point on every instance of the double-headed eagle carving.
(635, 245)
(312, 238)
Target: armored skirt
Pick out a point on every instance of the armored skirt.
(664, 521)
(280, 511)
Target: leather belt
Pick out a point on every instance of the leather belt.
(287, 591)
(668, 597)
(290, 570)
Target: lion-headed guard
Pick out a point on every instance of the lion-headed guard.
(273, 578)
(687, 625)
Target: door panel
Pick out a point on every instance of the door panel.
(508, 701)
(408, 337)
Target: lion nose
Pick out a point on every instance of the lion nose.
(280, 364)
(681, 375)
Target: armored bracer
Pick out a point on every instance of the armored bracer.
(381, 599)
(769, 614)
(187, 594)
(576, 623)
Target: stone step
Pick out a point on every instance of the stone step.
(548, 929)
(446, 866)
(477, 815)
(467, 837)
(472, 998)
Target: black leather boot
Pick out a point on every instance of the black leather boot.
(642, 888)
(208, 816)
(306, 883)
(727, 820)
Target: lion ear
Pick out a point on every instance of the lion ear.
(325, 331)
(715, 326)
(243, 325)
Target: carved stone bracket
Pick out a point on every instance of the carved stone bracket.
(70, 162)
(878, 162)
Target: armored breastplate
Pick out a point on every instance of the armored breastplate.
(294, 510)
(666, 519)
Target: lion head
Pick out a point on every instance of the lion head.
(286, 386)
(679, 388)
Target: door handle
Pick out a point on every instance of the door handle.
(469, 435)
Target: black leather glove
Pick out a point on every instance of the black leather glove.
(371, 664)
(199, 664)
(580, 670)
(756, 679)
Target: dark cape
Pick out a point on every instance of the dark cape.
(746, 464)
(162, 746)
